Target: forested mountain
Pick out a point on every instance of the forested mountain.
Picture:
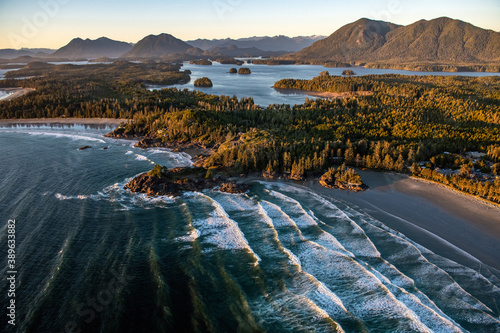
(441, 40)
(276, 43)
(157, 46)
(101, 47)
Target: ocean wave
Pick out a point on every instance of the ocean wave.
(218, 229)
(64, 135)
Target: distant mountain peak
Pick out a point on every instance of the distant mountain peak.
(442, 39)
(265, 43)
(88, 48)
(157, 46)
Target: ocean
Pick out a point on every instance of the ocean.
(93, 257)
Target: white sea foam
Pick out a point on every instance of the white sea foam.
(301, 218)
(77, 197)
(189, 237)
(65, 135)
(219, 230)
(141, 158)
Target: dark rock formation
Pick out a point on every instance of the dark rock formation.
(203, 62)
(203, 82)
(175, 181)
(329, 181)
(244, 70)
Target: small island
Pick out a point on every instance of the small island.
(342, 178)
(203, 82)
(348, 72)
(233, 71)
(229, 61)
(203, 62)
(244, 70)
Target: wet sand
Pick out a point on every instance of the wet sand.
(454, 225)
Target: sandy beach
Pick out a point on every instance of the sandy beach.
(15, 92)
(63, 121)
(457, 226)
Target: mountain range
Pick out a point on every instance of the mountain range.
(441, 40)
(157, 46)
(101, 47)
(12, 53)
(276, 43)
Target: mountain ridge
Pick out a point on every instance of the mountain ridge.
(156, 46)
(441, 40)
(264, 43)
(88, 48)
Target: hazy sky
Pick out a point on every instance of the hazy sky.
(53, 23)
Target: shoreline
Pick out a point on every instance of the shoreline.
(15, 92)
(63, 121)
(455, 225)
(322, 94)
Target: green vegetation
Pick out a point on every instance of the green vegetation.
(115, 90)
(335, 84)
(341, 177)
(439, 44)
(407, 120)
(244, 70)
(435, 67)
(203, 62)
(348, 72)
(417, 123)
(203, 82)
(229, 61)
(333, 64)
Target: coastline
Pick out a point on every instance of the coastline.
(455, 225)
(64, 121)
(322, 94)
(16, 92)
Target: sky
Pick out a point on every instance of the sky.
(53, 23)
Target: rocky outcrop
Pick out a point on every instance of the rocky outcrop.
(179, 180)
(120, 133)
(244, 70)
(232, 187)
(330, 182)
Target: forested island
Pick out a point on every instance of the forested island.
(421, 125)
